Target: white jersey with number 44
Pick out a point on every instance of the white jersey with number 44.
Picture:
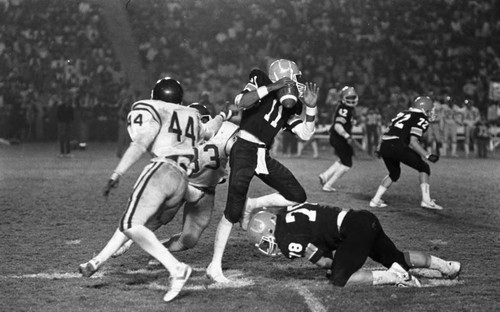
(165, 129)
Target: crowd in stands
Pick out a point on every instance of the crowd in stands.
(389, 50)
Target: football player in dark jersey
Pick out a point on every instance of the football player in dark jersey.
(316, 231)
(340, 139)
(264, 114)
(400, 144)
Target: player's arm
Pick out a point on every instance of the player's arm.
(415, 145)
(209, 129)
(315, 255)
(256, 89)
(305, 129)
(142, 129)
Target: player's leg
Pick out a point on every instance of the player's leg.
(345, 153)
(328, 173)
(389, 150)
(453, 134)
(418, 259)
(282, 180)
(196, 219)
(160, 186)
(116, 241)
(243, 161)
(271, 200)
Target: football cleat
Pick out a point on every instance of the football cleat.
(216, 275)
(322, 180)
(454, 268)
(177, 282)
(405, 279)
(327, 188)
(88, 269)
(430, 205)
(377, 204)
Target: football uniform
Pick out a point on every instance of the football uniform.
(250, 154)
(168, 131)
(353, 234)
(343, 116)
(395, 149)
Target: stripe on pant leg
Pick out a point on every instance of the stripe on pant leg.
(136, 195)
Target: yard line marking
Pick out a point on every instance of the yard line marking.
(312, 302)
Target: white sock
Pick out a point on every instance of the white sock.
(337, 175)
(271, 200)
(384, 278)
(330, 171)
(380, 191)
(426, 196)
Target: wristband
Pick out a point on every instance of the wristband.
(311, 111)
(347, 136)
(262, 91)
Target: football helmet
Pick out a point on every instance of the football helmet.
(426, 105)
(285, 68)
(168, 90)
(261, 232)
(349, 96)
(203, 110)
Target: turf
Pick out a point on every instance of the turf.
(53, 217)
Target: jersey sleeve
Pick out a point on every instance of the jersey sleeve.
(256, 78)
(143, 127)
(419, 125)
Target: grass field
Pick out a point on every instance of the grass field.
(53, 217)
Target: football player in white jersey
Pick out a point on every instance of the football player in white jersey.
(168, 131)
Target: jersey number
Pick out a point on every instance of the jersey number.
(399, 120)
(137, 120)
(290, 216)
(215, 158)
(175, 127)
(267, 116)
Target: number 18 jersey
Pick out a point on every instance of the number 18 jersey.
(164, 129)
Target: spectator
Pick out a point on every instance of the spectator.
(65, 118)
(482, 136)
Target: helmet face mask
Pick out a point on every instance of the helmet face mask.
(349, 96)
(203, 110)
(168, 90)
(260, 232)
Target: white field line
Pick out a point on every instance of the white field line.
(312, 302)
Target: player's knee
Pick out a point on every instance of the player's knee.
(298, 196)
(425, 168)
(189, 240)
(232, 215)
(395, 175)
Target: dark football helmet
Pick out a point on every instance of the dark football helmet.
(203, 110)
(261, 232)
(168, 90)
(426, 105)
(349, 96)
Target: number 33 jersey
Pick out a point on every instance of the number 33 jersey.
(304, 224)
(211, 157)
(164, 129)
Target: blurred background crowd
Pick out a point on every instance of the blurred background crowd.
(71, 51)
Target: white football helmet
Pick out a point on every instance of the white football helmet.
(261, 232)
(426, 105)
(349, 96)
(285, 68)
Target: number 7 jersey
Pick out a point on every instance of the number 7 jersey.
(164, 129)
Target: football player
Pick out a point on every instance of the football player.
(263, 116)
(340, 139)
(209, 169)
(400, 144)
(305, 230)
(168, 131)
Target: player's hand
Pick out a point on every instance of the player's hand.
(311, 94)
(432, 158)
(226, 113)
(112, 183)
(377, 153)
(280, 84)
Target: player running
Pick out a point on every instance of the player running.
(400, 144)
(168, 131)
(340, 241)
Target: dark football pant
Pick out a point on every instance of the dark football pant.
(343, 150)
(362, 236)
(243, 161)
(394, 152)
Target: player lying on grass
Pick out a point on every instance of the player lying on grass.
(341, 240)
